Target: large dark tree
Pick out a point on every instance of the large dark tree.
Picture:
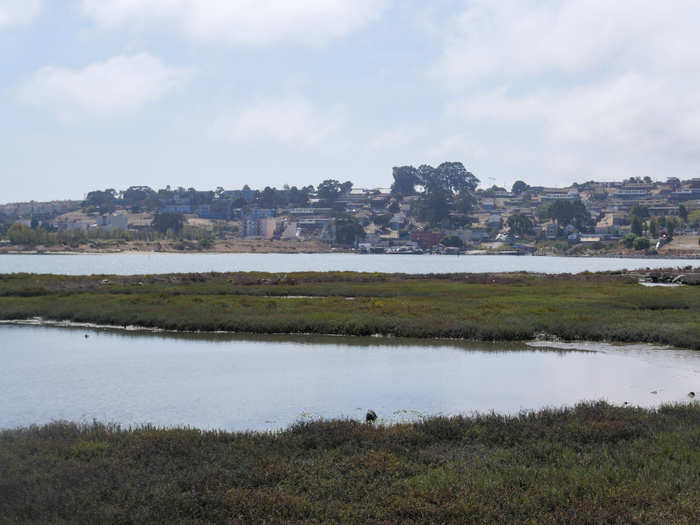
(653, 228)
(453, 241)
(104, 201)
(639, 211)
(168, 221)
(299, 198)
(463, 202)
(329, 191)
(637, 226)
(348, 231)
(405, 181)
(567, 212)
(434, 206)
(455, 177)
(447, 187)
(272, 198)
(200, 197)
(519, 187)
(137, 197)
(520, 225)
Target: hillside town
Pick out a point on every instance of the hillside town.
(441, 209)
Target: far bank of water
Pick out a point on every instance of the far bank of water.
(154, 263)
(266, 383)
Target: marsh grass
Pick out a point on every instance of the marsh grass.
(593, 463)
(605, 306)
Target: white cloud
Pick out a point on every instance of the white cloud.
(634, 112)
(585, 86)
(14, 12)
(517, 38)
(122, 84)
(292, 121)
(397, 138)
(241, 22)
(457, 145)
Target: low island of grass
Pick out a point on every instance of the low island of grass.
(518, 306)
(593, 463)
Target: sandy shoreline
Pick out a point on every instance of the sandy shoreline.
(301, 252)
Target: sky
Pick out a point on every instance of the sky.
(101, 94)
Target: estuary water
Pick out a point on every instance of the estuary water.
(153, 263)
(268, 382)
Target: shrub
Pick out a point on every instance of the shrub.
(453, 241)
(628, 240)
(641, 243)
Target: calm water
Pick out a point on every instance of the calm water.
(150, 263)
(262, 383)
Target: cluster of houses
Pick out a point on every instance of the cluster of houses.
(390, 223)
(39, 210)
(398, 231)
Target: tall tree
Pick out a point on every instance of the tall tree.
(135, 197)
(520, 225)
(456, 178)
(103, 201)
(639, 211)
(435, 206)
(168, 221)
(329, 191)
(405, 181)
(653, 228)
(449, 186)
(519, 187)
(637, 226)
(566, 212)
(348, 230)
(671, 225)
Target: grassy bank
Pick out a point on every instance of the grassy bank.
(610, 306)
(590, 464)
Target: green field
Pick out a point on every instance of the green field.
(609, 306)
(590, 464)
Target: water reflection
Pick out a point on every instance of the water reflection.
(294, 339)
(267, 382)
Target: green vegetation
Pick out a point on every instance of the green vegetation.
(447, 187)
(22, 235)
(520, 225)
(606, 306)
(567, 212)
(163, 222)
(631, 240)
(453, 241)
(594, 463)
(641, 243)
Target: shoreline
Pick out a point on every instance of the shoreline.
(693, 256)
(542, 341)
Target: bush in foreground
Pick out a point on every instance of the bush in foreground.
(593, 463)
